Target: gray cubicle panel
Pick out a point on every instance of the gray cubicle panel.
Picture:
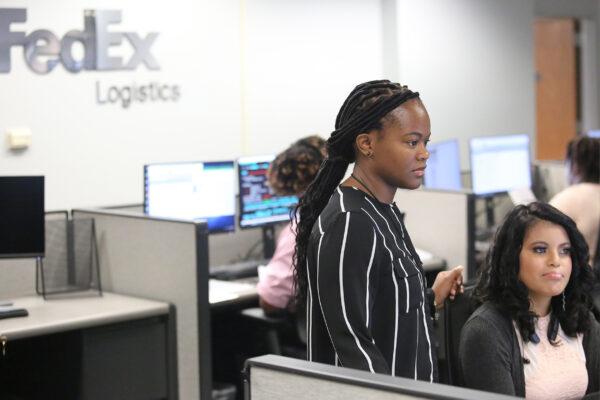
(225, 248)
(167, 260)
(275, 377)
(442, 223)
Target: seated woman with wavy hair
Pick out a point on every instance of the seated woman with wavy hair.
(534, 336)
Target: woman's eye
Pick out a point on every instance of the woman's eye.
(539, 250)
(566, 250)
(413, 143)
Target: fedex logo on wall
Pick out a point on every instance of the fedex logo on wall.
(43, 50)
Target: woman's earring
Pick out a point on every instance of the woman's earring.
(563, 302)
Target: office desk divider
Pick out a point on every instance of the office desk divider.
(274, 377)
(162, 259)
(441, 222)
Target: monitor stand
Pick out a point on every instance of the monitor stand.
(268, 238)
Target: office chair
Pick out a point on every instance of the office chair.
(455, 314)
(284, 334)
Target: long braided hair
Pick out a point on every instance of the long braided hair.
(363, 111)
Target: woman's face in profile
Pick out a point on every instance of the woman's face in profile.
(545, 260)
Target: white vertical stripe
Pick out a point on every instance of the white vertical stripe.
(341, 269)
(387, 223)
(369, 274)
(337, 360)
(428, 341)
(417, 347)
(320, 227)
(319, 294)
(309, 322)
(426, 328)
(404, 242)
(395, 292)
(341, 199)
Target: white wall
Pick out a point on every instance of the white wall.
(472, 61)
(254, 77)
(93, 154)
(301, 60)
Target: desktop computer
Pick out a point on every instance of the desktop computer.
(443, 166)
(500, 164)
(192, 191)
(22, 224)
(259, 206)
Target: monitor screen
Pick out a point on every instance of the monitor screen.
(259, 206)
(21, 216)
(443, 166)
(595, 133)
(500, 163)
(192, 191)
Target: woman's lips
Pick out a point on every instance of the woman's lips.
(554, 276)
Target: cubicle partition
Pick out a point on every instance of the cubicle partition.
(442, 223)
(162, 259)
(275, 377)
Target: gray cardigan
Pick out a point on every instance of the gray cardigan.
(490, 357)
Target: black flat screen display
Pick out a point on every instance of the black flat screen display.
(21, 216)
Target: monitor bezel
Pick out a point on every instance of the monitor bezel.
(41, 253)
(190, 162)
(240, 201)
(501, 192)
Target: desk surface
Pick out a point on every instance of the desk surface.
(225, 292)
(58, 315)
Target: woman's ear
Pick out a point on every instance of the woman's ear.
(364, 144)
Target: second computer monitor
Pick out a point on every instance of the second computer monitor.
(500, 164)
(192, 191)
(443, 166)
(259, 206)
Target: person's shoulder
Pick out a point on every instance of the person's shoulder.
(489, 318)
(575, 192)
(352, 199)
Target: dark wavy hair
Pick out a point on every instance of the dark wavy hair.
(293, 169)
(498, 280)
(364, 110)
(583, 153)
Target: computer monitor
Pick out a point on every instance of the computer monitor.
(192, 191)
(22, 216)
(259, 206)
(443, 166)
(594, 133)
(500, 164)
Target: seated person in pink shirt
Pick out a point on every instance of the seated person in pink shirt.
(290, 174)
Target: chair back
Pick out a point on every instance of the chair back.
(455, 315)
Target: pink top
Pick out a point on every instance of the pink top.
(554, 372)
(276, 280)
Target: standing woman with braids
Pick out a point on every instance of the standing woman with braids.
(356, 268)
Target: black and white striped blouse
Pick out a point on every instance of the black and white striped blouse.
(366, 305)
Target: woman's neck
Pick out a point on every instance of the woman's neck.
(368, 183)
(540, 305)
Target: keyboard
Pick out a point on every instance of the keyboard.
(237, 270)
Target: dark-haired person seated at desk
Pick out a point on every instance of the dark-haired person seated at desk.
(289, 174)
(534, 335)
